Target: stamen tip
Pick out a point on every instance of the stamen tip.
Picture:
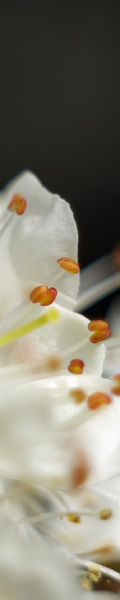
(98, 399)
(76, 366)
(43, 295)
(101, 330)
(17, 204)
(68, 264)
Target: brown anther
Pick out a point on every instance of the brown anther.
(76, 366)
(53, 363)
(116, 388)
(98, 399)
(101, 331)
(78, 395)
(68, 264)
(17, 204)
(81, 470)
(73, 518)
(43, 295)
(105, 513)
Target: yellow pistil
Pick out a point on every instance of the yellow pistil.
(52, 316)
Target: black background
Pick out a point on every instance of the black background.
(60, 108)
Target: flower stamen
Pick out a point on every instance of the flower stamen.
(101, 330)
(68, 264)
(98, 399)
(76, 366)
(105, 513)
(74, 518)
(25, 306)
(43, 295)
(47, 516)
(17, 204)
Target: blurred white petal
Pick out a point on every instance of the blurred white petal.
(35, 241)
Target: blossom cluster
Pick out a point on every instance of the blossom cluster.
(59, 417)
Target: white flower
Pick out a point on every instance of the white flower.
(48, 435)
(59, 418)
(39, 416)
(40, 419)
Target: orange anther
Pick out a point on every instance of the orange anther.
(78, 395)
(116, 389)
(17, 204)
(43, 295)
(38, 293)
(68, 264)
(97, 399)
(76, 366)
(101, 331)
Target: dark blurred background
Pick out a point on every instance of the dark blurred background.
(60, 108)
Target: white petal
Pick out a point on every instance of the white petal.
(42, 432)
(68, 337)
(102, 437)
(33, 243)
(31, 567)
(93, 538)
